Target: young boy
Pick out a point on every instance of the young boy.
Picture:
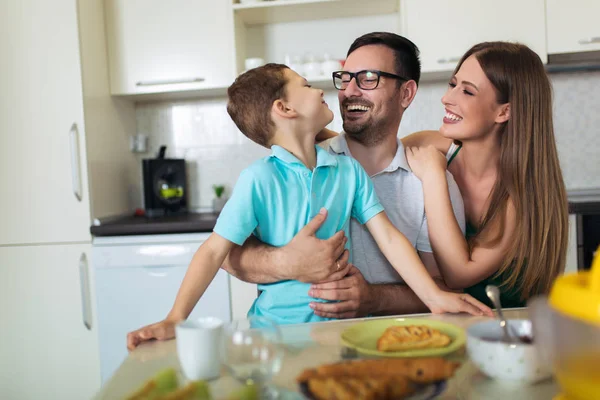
(276, 196)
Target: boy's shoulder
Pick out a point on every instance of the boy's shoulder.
(348, 162)
(260, 168)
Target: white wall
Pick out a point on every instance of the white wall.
(202, 132)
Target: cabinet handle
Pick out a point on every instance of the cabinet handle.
(75, 163)
(158, 271)
(84, 283)
(169, 81)
(448, 60)
(595, 39)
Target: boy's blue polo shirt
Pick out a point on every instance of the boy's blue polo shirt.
(276, 197)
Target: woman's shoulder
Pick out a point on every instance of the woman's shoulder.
(427, 138)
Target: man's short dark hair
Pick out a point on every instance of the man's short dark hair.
(406, 53)
(251, 97)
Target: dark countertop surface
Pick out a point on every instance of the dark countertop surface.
(140, 225)
(588, 207)
(580, 202)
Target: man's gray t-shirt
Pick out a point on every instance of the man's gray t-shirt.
(401, 194)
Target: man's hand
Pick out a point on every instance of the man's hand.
(162, 330)
(353, 296)
(309, 259)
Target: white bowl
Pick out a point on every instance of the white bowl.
(518, 362)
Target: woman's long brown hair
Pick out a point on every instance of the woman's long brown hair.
(529, 173)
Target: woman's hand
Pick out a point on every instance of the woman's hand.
(426, 161)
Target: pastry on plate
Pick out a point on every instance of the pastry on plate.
(360, 389)
(420, 370)
(375, 378)
(411, 337)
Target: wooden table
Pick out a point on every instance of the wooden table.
(312, 344)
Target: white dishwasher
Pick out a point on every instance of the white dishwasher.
(136, 279)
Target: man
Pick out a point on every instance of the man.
(379, 81)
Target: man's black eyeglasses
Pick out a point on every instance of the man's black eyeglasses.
(366, 80)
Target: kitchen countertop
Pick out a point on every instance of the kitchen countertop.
(139, 225)
(581, 201)
(584, 201)
(309, 345)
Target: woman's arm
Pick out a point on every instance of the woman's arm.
(459, 268)
(325, 134)
(427, 138)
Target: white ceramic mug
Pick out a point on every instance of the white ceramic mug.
(199, 347)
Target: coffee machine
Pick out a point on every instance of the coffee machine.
(165, 185)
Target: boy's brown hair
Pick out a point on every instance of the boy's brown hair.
(251, 97)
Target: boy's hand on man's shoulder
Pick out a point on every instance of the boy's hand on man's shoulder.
(162, 330)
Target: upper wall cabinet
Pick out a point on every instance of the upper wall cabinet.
(573, 25)
(169, 46)
(444, 30)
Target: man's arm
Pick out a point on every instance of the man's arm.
(255, 262)
(357, 298)
(305, 258)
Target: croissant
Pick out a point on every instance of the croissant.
(398, 338)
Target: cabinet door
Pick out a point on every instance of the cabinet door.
(162, 46)
(43, 179)
(444, 30)
(573, 25)
(47, 352)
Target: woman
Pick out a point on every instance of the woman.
(499, 140)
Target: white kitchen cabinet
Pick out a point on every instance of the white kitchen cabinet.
(58, 126)
(47, 351)
(169, 46)
(43, 171)
(572, 26)
(444, 30)
(242, 295)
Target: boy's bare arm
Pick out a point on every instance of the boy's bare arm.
(400, 298)
(199, 275)
(305, 258)
(403, 257)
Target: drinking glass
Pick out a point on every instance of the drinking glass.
(253, 352)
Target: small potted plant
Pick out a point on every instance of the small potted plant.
(219, 200)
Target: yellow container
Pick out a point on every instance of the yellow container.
(574, 333)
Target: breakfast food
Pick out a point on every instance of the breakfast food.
(356, 388)
(374, 379)
(166, 386)
(411, 337)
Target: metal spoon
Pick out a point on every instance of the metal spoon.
(494, 294)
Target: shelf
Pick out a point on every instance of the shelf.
(321, 82)
(277, 11)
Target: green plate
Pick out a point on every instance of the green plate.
(363, 337)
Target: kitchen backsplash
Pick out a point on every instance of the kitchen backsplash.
(202, 132)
